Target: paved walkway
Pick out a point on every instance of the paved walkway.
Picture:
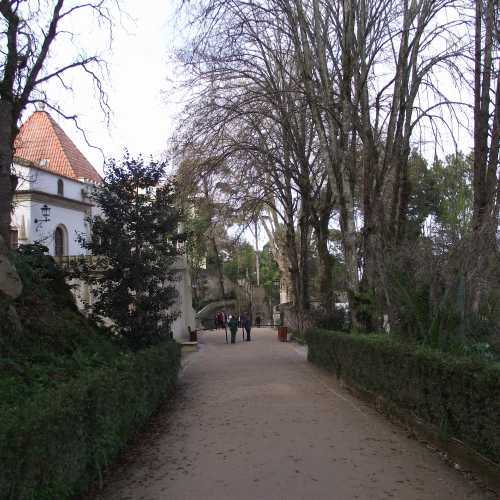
(255, 421)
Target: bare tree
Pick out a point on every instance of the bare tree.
(204, 192)
(366, 120)
(255, 116)
(29, 31)
(390, 113)
(363, 76)
(486, 176)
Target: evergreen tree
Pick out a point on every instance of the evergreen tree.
(135, 241)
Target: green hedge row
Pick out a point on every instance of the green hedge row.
(56, 444)
(460, 396)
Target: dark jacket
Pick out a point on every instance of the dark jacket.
(233, 324)
(246, 323)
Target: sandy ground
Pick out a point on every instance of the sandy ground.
(256, 421)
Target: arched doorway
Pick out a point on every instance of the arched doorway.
(59, 242)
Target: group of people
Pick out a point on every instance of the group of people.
(220, 320)
(234, 322)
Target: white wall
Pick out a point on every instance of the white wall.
(22, 211)
(184, 302)
(71, 219)
(34, 179)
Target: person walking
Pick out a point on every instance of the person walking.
(233, 327)
(246, 323)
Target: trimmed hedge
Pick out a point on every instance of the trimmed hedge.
(460, 396)
(57, 443)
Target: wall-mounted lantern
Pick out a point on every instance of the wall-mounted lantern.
(45, 214)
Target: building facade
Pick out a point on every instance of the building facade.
(54, 181)
(52, 202)
(68, 206)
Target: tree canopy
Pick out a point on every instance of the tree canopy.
(136, 241)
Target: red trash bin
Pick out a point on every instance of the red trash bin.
(282, 333)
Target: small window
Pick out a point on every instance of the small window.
(60, 187)
(59, 242)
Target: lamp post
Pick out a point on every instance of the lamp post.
(45, 214)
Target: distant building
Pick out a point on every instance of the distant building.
(51, 202)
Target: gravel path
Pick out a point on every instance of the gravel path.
(255, 421)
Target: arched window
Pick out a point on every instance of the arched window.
(59, 242)
(60, 187)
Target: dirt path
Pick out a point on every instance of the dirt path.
(255, 421)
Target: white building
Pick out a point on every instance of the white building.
(52, 173)
(51, 202)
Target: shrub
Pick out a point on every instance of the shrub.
(136, 241)
(336, 319)
(54, 444)
(432, 290)
(458, 395)
(44, 340)
(45, 317)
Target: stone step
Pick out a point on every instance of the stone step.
(189, 346)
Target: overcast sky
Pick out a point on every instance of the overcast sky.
(140, 87)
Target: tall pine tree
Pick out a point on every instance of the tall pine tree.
(135, 241)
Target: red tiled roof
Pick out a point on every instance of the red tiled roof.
(41, 138)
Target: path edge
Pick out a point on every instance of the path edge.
(455, 451)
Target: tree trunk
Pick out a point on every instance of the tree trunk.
(10, 282)
(484, 222)
(218, 265)
(257, 258)
(6, 156)
(304, 251)
(325, 261)
(350, 257)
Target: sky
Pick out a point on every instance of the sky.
(141, 85)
